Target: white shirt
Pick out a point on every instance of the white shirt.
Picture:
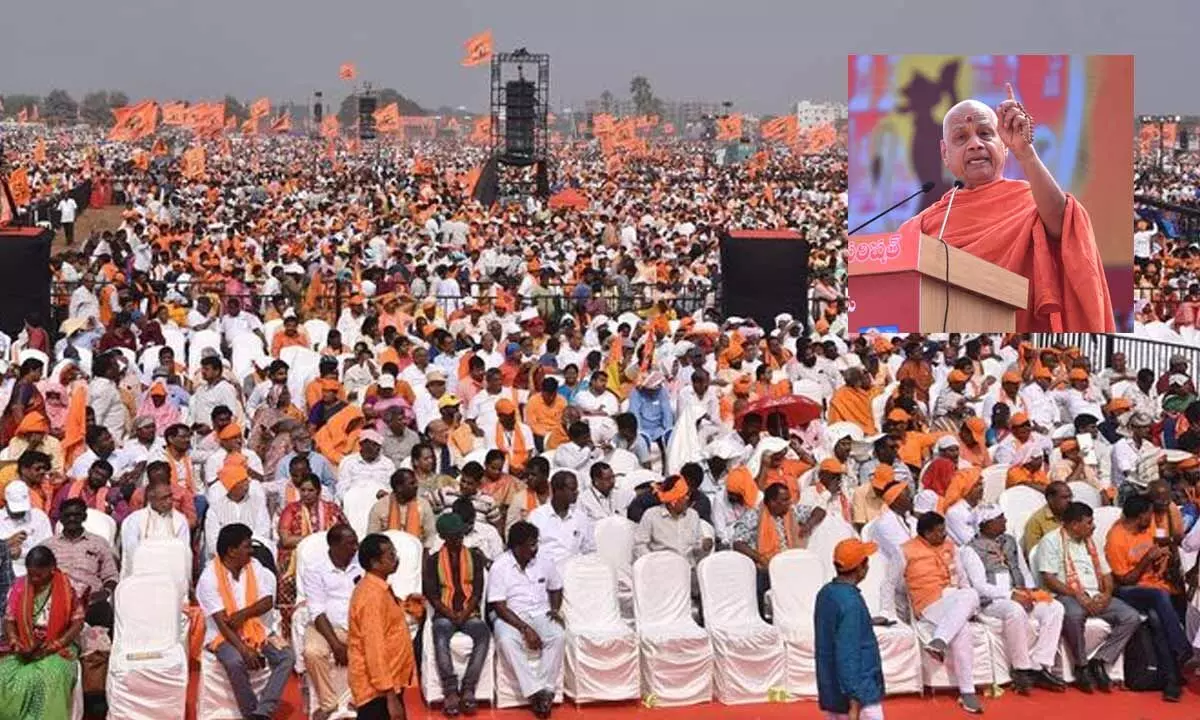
(605, 403)
(105, 401)
(1043, 410)
(597, 506)
(972, 565)
(234, 325)
(575, 457)
(1050, 560)
(35, 524)
(1138, 465)
(1079, 403)
(329, 588)
(251, 512)
(960, 523)
(67, 207)
(209, 598)
(561, 538)
(525, 592)
(709, 405)
(353, 471)
(207, 397)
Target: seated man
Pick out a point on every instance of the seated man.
(403, 509)
(941, 594)
(563, 527)
(673, 525)
(1077, 573)
(235, 592)
(328, 585)
(236, 500)
(602, 498)
(827, 492)
(453, 587)
(776, 526)
(1049, 518)
(1028, 469)
(159, 520)
(992, 562)
(525, 593)
(1141, 566)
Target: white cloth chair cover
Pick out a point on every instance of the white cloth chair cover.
(825, 538)
(1086, 494)
(748, 653)
(601, 650)
(989, 665)
(357, 504)
(101, 524)
(307, 551)
(460, 654)
(245, 349)
(149, 361)
(318, 332)
(148, 667)
(796, 578)
(994, 478)
(407, 578)
(177, 341)
(622, 461)
(199, 342)
(1018, 504)
(172, 557)
(216, 700)
(677, 656)
(302, 367)
(898, 645)
(614, 545)
(810, 389)
(271, 327)
(1104, 518)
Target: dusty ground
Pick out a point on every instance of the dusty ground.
(105, 218)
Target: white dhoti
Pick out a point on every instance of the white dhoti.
(1022, 654)
(545, 675)
(950, 615)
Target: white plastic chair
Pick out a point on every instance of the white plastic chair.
(318, 333)
(614, 545)
(825, 538)
(200, 342)
(898, 645)
(357, 504)
(1104, 518)
(796, 578)
(601, 658)
(1086, 494)
(1018, 504)
(302, 367)
(622, 461)
(271, 327)
(149, 362)
(177, 341)
(995, 477)
(148, 667)
(677, 656)
(244, 350)
(407, 578)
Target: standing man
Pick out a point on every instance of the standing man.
(525, 592)
(67, 207)
(453, 587)
(380, 651)
(849, 667)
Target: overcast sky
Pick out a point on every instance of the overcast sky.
(760, 54)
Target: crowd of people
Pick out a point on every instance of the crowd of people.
(256, 343)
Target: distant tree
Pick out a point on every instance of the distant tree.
(234, 107)
(59, 107)
(348, 111)
(15, 103)
(96, 108)
(644, 101)
(607, 102)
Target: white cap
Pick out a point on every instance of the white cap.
(926, 501)
(386, 381)
(262, 363)
(435, 375)
(16, 496)
(985, 513)
(945, 442)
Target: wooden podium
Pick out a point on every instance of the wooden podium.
(897, 283)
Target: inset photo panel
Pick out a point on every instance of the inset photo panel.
(990, 193)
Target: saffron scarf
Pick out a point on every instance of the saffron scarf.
(62, 604)
(75, 426)
(253, 632)
(518, 454)
(466, 574)
(412, 517)
(1072, 575)
(769, 542)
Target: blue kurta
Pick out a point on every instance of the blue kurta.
(847, 653)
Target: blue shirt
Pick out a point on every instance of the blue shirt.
(847, 653)
(316, 462)
(653, 412)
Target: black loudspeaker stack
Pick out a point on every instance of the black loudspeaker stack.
(520, 109)
(764, 273)
(366, 117)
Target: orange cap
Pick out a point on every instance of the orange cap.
(505, 406)
(1188, 463)
(1042, 372)
(852, 552)
(957, 376)
(890, 495)
(1119, 405)
(740, 483)
(832, 465)
(884, 475)
(1011, 377)
(233, 472)
(230, 432)
(1078, 374)
(1019, 419)
(158, 389)
(677, 492)
(899, 415)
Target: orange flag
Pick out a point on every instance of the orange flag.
(387, 119)
(226, 147)
(160, 148)
(282, 124)
(193, 163)
(353, 146)
(141, 160)
(231, 122)
(471, 179)
(781, 128)
(175, 113)
(18, 185)
(134, 122)
(261, 108)
(250, 127)
(39, 151)
(206, 118)
(330, 128)
(482, 131)
(347, 71)
(452, 125)
(331, 150)
(478, 49)
(729, 128)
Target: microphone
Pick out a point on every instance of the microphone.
(924, 189)
(946, 248)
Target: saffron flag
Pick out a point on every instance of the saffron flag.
(175, 113)
(206, 119)
(478, 49)
(261, 108)
(347, 71)
(250, 127)
(18, 185)
(193, 163)
(729, 128)
(387, 119)
(160, 148)
(282, 124)
(134, 122)
(39, 151)
(330, 128)
(231, 122)
(782, 129)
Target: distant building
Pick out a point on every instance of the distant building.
(811, 114)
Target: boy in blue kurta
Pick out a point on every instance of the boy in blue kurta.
(849, 668)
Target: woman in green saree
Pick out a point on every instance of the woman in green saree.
(38, 655)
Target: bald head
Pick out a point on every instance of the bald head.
(967, 109)
(971, 146)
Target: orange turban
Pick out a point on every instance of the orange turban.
(1011, 377)
(678, 491)
(1042, 372)
(232, 431)
(884, 475)
(1068, 445)
(1078, 374)
(890, 495)
(233, 472)
(734, 353)
(1019, 419)
(1119, 405)
(832, 465)
(505, 406)
(899, 415)
(977, 428)
(957, 376)
(742, 385)
(34, 422)
(1191, 463)
(158, 389)
(740, 483)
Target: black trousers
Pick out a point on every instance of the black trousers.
(375, 710)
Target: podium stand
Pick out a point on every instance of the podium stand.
(897, 283)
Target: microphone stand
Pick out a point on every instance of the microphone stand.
(923, 189)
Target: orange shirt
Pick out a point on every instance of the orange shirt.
(283, 340)
(851, 404)
(928, 571)
(541, 418)
(379, 648)
(1124, 549)
(916, 447)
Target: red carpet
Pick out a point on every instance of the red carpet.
(1117, 706)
